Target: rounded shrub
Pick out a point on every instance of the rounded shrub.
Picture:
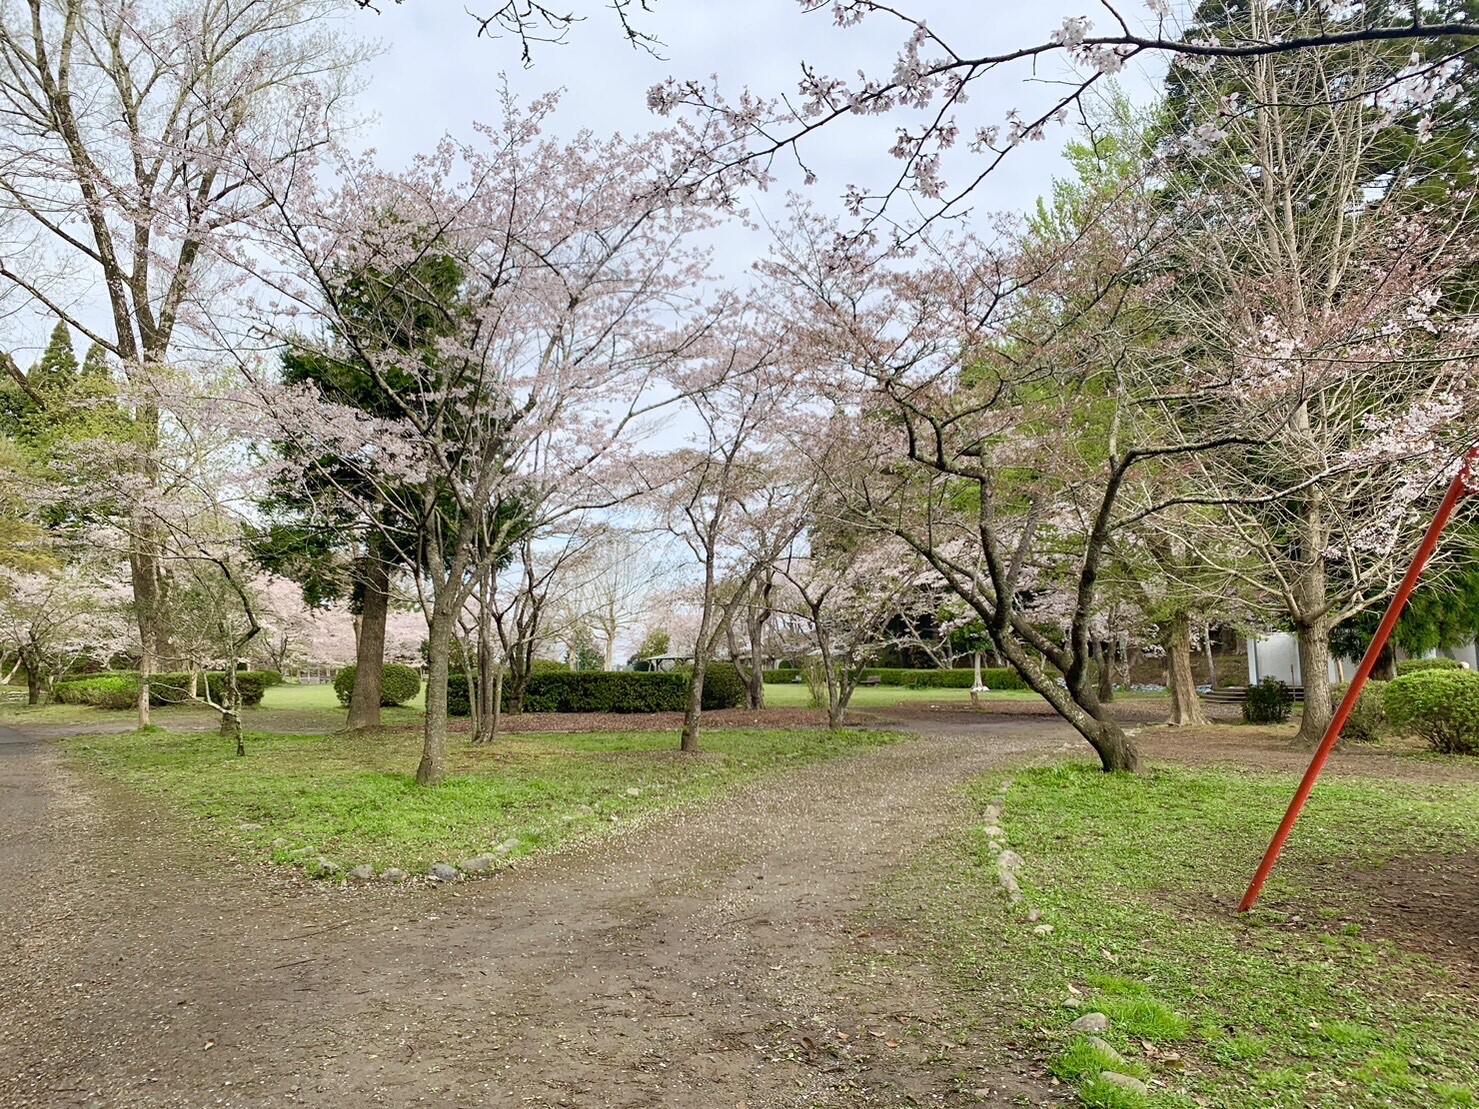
(1268, 702)
(398, 684)
(723, 686)
(104, 691)
(1440, 707)
(1368, 720)
(1417, 665)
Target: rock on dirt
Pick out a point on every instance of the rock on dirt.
(442, 872)
(476, 865)
(1090, 1022)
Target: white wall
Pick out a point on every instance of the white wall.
(1277, 656)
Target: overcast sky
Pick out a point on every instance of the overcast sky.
(438, 76)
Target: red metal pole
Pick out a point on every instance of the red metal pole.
(1456, 492)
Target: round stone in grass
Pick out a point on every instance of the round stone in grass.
(1125, 1082)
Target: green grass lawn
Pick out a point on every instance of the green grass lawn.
(1294, 1005)
(353, 800)
(284, 708)
(884, 696)
(321, 696)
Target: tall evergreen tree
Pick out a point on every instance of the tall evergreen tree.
(56, 371)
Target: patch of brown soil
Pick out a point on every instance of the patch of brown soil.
(697, 961)
(1274, 749)
(534, 723)
(1425, 904)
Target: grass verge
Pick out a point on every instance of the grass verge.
(353, 801)
(1309, 1001)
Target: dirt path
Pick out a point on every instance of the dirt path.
(683, 964)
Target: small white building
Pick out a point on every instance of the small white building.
(1277, 656)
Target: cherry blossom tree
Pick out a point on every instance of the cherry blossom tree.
(732, 494)
(943, 148)
(131, 139)
(619, 575)
(53, 619)
(1000, 392)
(575, 289)
(1325, 303)
(849, 590)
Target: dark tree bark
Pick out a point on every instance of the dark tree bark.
(693, 716)
(369, 649)
(1385, 669)
(432, 769)
(1211, 657)
(35, 679)
(1104, 649)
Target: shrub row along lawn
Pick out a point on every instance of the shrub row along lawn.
(1303, 1002)
(351, 799)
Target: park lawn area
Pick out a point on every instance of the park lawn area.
(1323, 996)
(284, 708)
(354, 800)
(785, 696)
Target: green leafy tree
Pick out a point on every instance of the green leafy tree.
(656, 643)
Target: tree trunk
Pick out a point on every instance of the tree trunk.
(1186, 707)
(1211, 658)
(519, 670)
(141, 570)
(1314, 675)
(34, 681)
(497, 704)
(1385, 669)
(231, 708)
(976, 680)
(1106, 670)
(693, 715)
(490, 689)
(1083, 711)
(369, 647)
(1115, 751)
(757, 659)
(433, 768)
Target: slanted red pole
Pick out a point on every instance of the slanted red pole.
(1456, 492)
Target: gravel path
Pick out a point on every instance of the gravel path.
(685, 963)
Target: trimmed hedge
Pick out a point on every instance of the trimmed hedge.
(1440, 706)
(723, 687)
(1368, 720)
(119, 689)
(616, 691)
(783, 677)
(398, 684)
(607, 691)
(1418, 665)
(1268, 702)
(459, 700)
(106, 691)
